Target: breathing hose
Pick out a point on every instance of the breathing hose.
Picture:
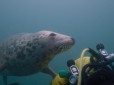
(81, 64)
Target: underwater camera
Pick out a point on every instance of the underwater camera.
(100, 68)
(104, 54)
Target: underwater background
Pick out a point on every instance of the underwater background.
(89, 22)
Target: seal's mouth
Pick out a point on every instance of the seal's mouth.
(64, 46)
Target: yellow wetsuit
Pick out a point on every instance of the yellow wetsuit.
(59, 81)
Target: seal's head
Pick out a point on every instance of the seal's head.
(55, 43)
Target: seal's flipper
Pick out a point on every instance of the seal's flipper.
(3, 65)
(5, 80)
(49, 71)
(14, 83)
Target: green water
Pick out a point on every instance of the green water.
(88, 21)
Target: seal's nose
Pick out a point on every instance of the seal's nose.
(73, 40)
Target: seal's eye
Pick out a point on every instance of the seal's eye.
(52, 34)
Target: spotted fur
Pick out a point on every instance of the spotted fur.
(28, 53)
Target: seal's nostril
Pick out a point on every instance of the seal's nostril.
(73, 40)
(52, 34)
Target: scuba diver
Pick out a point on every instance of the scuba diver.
(96, 69)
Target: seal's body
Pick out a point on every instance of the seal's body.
(29, 53)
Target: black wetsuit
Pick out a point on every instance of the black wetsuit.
(101, 77)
